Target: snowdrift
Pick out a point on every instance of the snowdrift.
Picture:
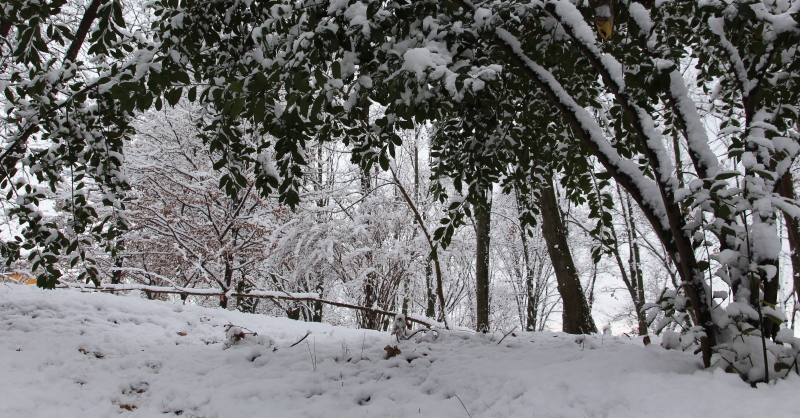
(65, 354)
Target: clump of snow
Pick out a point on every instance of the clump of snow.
(418, 60)
(641, 16)
(64, 353)
(482, 17)
(357, 14)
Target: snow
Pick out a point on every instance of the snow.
(641, 16)
(648, 189)
(568, 14)
(418, 60)
(717, 26)
(766, 245)
(357, 14)
(696, 135)
(482, 17)
(70, 354)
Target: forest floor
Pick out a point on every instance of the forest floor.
(69, 354)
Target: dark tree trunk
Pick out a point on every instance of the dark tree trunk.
(577, 315)
(637, 276)
(532, 305)
(430, 310)
(116, 275)
(294, 313)
(636, 283)
(793, 231)
(483, 220)
(223, 300)
(83, 29)
(317, 316)
(369, 319)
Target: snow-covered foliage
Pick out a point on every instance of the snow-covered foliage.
(517, 94)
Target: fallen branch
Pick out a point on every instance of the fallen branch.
(301, 340)
(309, 297)
(506, 335)
(408, 337)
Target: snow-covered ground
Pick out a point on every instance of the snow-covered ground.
(69, 354)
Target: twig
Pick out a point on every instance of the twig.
(230, 325)
(465, 408)
(506, 335)
(301, 340)
(362, 345)
(415, 333)
(313, 363)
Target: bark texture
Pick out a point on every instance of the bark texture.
(576, 313)
(483, 232)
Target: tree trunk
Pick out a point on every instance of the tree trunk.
(223, 300)
(116, 276)
(83, 29)
(636, 272)
(577, 316)
(317, 314)
(369, 319)
(793, 231)
(430, 310)
(483, 219)
(532, 293)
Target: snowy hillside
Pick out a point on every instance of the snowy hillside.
(69, 354)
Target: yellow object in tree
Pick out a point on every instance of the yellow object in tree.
(605, 28)
(604, 18)
(21, 278)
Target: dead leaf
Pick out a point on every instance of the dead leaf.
(182, 334)
(391, 351)
(646, 340)
(127, 406)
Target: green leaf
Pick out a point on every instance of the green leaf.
(317, 107)
(173, 96)
(237, 106)
(220, 164)
(774, 319)
(726, 175)
(236, 87)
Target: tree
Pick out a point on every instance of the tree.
(483, 234)
(656, 84)
(576, 312)
(63, 128)
(530, 81)
(185, 227)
